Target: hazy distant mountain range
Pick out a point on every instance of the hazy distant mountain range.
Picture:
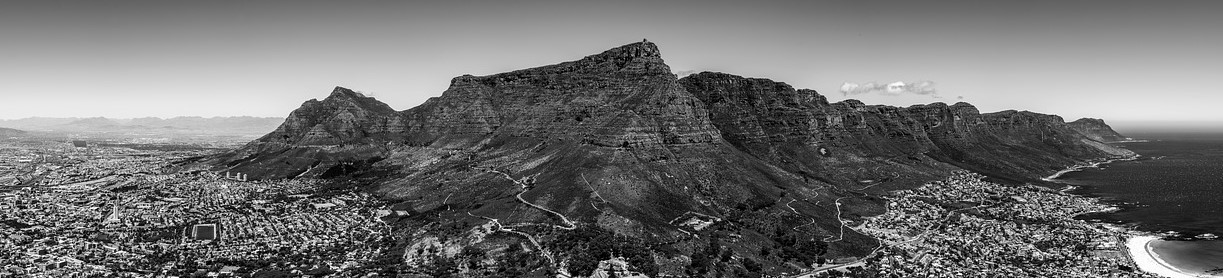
(214, 125)
(5, 132)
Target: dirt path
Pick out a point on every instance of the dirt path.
(569, 225)
(534, 242)
(841, 236)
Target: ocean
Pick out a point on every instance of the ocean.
(1176, 186)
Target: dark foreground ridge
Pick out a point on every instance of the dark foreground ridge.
(613, 155)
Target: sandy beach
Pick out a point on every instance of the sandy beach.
(1076, 168)
(1140, 250)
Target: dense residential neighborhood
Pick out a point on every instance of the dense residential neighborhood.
(87, 212)
(968, 227)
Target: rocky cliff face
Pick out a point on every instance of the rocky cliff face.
(615, 143)
(625, 96)
(1097, 130)
(803, 131)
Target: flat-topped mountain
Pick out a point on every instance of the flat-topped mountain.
(613, 154)
(625, 96)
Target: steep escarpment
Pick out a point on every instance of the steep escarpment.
(846, 143)
(1097, 130)
(708, 166)
(625, 96)
(850, 141)
(1017, 145)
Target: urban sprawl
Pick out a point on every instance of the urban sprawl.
(113, 212)
(73, 211)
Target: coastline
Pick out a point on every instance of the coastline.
(1138, 245)
(1080, 167)
(1145, 257)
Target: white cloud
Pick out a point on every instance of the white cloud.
(925, 88)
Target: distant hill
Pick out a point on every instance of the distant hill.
(1096, 129)
(8, 132)
(216, 125)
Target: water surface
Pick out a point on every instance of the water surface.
(1177, 186)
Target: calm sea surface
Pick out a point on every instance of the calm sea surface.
(1177, 185)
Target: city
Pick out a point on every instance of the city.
(101, 211)
(966, 226)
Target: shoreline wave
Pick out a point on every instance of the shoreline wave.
(1138, 244)
(1146, 249)
(1144, 255)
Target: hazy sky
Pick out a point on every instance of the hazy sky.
(1124, 61)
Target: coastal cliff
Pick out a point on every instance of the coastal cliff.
(681, 169)
(1097, 130)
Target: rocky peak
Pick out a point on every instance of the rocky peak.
(344, 117)
(641, 58)
(340, 92)
(341, 96)
(643, 49)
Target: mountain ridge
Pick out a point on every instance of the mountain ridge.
(615, 142)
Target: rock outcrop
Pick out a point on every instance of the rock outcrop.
(1097, 130)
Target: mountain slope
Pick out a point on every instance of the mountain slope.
(345, 117)
(344, 128)
(614, 143)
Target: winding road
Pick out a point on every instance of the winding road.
(569, 225)
(817, 202)
(534, 242)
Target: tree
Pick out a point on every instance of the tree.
(443, 267)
